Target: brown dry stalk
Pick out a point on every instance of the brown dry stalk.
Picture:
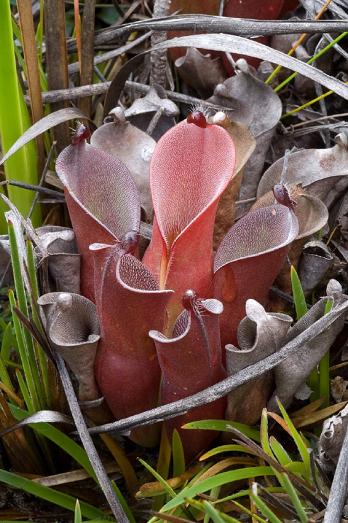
(87, 52)
(159, 58)
(304, 36)
(32, 68)
(56, 60)
(77, 20)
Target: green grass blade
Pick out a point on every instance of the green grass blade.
(4, 375)
(224, 426)
(300, 444)
(49, 494)
(324, 368)
(264, 509)
(290, 489)
(124, 503)
(22, 352)
(77, 513)
(8, 341)
(214, 515)
(29, 362)
(312, 59)
(24, 391)
(201, 507)
(224, 448)
(179, 465)
(252, 515)
(41, 357)
(279, 451)
(166, 487)
(216, 481)
(301, 309)
(298, 294)
(14, 120)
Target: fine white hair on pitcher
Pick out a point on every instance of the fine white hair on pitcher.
(197, 107)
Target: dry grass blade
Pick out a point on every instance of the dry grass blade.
(101, 88)
(319, 415)
(99, 59)
(32, 68)
(236, 44)
(72, 476)
(224, 387)
(43, 416)
(155, 487)
(230, 44)
(218, 24)
(47, 122)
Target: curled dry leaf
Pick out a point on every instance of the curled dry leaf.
(259, 335)
(190, 361)
(143, 110)
(72, 327)
(314, 263)
(200, 71)
(331, 439)
(129, 304)
(244, 144)
(58, 249)
(291, 375)
(311, 212)
(254, 105)
(102, 199)
(133, 147)
(322, 171)
(256, 244)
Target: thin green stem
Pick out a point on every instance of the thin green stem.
(324, 369)
(311, 60)
(308, 104)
